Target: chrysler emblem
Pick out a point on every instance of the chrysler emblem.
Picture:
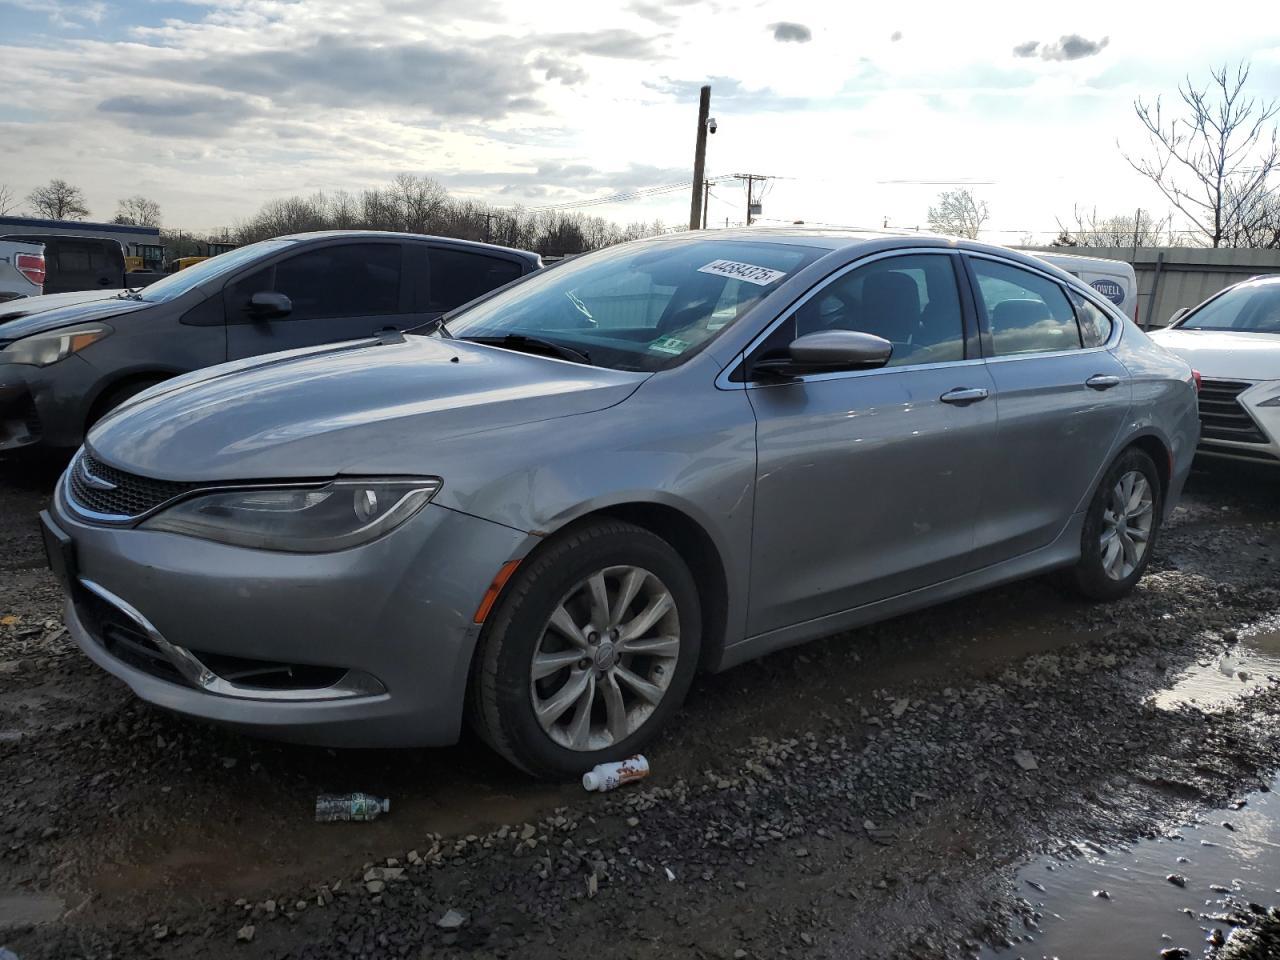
(95, 483)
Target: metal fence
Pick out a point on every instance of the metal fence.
(1173, 277)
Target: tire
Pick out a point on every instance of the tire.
(556, 582)
(117, 395)
(1106, 570)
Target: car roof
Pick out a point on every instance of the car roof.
(398, 235)
(849, 239)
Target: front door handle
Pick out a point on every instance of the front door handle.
(964, 395)
(1102, 381)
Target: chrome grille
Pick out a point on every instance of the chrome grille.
(1221, 415)
(102, 491)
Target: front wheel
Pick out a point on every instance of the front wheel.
(589, 652)
(1120, 529)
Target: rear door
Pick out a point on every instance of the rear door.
(339, 291)
(1060, 398)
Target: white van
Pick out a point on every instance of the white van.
(1114, 279)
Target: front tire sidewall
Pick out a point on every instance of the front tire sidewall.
(1090, 576)
(516, 628)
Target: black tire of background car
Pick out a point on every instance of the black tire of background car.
(1087, 577)
(118, 395)
(499, 706)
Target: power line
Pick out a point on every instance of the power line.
(636, 194)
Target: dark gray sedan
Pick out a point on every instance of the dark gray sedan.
(672, 455)
(67, 359)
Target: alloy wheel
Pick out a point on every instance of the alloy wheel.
(1126, 525)
(605, 658)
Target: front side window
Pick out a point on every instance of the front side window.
(1252, 308)
(351, 280)
(638, 306)
(176, 284)
(911, 301)
(1025, 312)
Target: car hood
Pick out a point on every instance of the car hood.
(21, 318)
(1223, 355)
(323, 411)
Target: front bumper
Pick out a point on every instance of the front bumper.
(44, 406)
(1235, 425)
(392, 617)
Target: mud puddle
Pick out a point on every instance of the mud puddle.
(1096, 903)
(1239, 668)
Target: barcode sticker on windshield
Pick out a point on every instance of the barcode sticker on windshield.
(761, 276)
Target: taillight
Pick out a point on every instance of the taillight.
(31, 266)
(1195, 375)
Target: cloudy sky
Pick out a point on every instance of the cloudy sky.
(862, 112)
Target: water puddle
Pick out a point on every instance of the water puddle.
(1214, 682)
(1120, 903)
(26, 909)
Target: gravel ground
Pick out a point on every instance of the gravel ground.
(869, 795)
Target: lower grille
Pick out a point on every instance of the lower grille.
(267, 675)
(1222, 417)
(122, 638)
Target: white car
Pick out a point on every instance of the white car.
(1233, 340)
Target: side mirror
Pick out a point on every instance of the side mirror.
(1178, 315)
(265, 305)
(828, 351)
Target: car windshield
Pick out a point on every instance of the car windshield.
(176, 284)
(1248, 308)
(638, 306)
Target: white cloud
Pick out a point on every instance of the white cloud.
(235, 101)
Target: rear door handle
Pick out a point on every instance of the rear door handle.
(1102, 381)
(964, 395)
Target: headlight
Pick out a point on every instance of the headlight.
(42, 349)
(341, 514)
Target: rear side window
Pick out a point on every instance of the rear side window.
(1025, 312)
(352, 280)
(1095, 326)
(458, 276)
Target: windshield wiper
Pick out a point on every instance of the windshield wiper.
(518, 341)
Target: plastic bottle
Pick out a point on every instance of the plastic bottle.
(331, 807)
(610, 776)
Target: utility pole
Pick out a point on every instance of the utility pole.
(700, 156)
(488, 219)
(706, 194)
(751, 180)
(1137, 225)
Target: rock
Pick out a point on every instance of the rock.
(1175, 953)
(245, 933)
(739, 954)
(1102, 895)
(1177, 879)
(633, 822)
(375, 886)
(528, 832)
(159, 931)
(593, 886)
(1025, 760)
(452, 920)
(900, 707)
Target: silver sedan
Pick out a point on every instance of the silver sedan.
(546, 514)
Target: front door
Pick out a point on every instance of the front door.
(1061, 398)
(868, 483)
(338, 292)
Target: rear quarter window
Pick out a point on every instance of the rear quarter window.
(1095, 325)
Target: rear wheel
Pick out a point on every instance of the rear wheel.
(590, 651)
(1120, 529)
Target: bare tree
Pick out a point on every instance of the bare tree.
(58, 200)
(1217, 164)
(8, 202)
(1138, 229)
(139, 211)
(958, 213)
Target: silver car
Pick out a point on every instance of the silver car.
(547, 513)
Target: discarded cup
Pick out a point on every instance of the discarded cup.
(332, 807)
(610, 776)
